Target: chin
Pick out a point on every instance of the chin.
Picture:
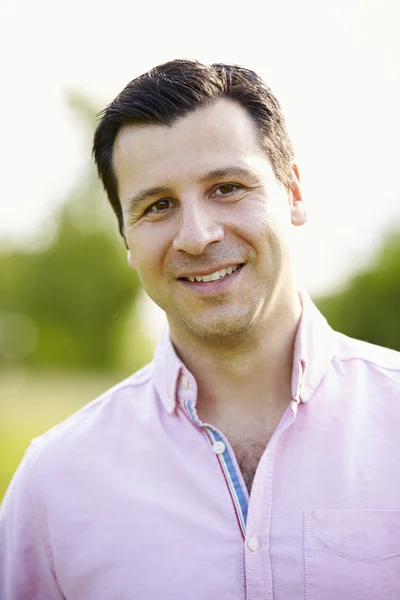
(221, 329)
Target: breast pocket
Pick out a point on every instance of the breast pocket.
(352, 554)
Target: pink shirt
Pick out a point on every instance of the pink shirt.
(133, 498)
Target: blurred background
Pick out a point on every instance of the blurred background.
(73, 318)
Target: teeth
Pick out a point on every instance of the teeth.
(215, 276)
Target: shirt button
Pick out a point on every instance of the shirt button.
(253, 544)
(185, 383)
(219, 447)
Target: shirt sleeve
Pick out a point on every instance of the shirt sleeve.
(26, 570)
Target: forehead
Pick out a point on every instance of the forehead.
(205, 139)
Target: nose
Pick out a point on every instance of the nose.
(197, 229)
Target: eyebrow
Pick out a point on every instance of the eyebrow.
(145, 194)
(233, 171)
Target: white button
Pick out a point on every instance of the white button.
(253, 544)
(185, 383)
(219, 447)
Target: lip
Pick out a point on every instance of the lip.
(212, 287)
(209, 271)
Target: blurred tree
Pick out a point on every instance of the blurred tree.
(62, 304)
(368, 306)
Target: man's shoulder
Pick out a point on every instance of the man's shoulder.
(374, 356)
(98, 418)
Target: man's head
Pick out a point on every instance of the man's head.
(205, 190)
(175, 89)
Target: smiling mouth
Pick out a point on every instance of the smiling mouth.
(214, 276)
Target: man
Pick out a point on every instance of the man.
(258, 455)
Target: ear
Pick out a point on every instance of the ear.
(297, 207)
(131, 260)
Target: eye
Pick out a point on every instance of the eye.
(226, 189)
(159, 206)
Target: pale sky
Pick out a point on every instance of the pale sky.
(334, 66)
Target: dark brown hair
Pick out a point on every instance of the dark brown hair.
(175, 89)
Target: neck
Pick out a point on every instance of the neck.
(254, 369)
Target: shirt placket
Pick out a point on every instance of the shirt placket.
(258, 564)
(254, 517)
(229, 467)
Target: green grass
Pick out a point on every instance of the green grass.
(31, 403)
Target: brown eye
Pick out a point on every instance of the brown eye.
(226, 189)
(158, 206)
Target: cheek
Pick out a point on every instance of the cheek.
(260, 221)
(268, 225)
(148, 250)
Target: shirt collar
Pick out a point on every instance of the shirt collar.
(313, 352)
(167, 370)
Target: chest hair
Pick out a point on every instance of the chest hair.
(248, 453)
(250, 440)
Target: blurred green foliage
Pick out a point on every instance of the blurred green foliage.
(64, 303)
(367, 307)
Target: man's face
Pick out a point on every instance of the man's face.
(201, 198)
